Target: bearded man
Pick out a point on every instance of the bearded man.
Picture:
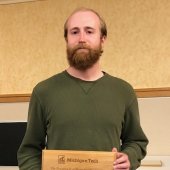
(83, 107)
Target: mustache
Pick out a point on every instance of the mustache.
(81, 46)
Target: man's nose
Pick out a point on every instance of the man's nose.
(82, 37)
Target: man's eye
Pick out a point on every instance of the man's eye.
(89, 32)
(74, 32)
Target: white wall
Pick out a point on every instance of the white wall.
(13, 112)
(155, 120)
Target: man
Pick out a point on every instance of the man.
(84, 108)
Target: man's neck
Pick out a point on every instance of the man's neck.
(91, 74)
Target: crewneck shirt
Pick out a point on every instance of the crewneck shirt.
(67, 113)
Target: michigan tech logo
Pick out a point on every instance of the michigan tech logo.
(61, 159)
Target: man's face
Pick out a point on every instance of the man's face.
(84, 41)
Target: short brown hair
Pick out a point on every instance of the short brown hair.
(103, 27)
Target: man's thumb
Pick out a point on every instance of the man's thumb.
(114, 150)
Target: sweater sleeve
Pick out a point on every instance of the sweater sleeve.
(134, 141)
(30, 151)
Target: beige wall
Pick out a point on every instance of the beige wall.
(32, 47)
(154, 113)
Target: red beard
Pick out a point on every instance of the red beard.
(82, 56)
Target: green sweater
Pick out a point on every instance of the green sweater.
(67, 113)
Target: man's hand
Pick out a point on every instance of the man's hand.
(122, 161)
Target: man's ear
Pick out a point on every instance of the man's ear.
(66, 39)
(103, 39)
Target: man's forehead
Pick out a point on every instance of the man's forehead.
(83, 19)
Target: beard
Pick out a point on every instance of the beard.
(82, 56)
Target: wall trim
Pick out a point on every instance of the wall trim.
(153, 92)
(141, 93)
(7, 2)
(14, 98)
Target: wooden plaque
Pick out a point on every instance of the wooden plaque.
(77, 160)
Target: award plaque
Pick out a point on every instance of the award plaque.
(77, 160)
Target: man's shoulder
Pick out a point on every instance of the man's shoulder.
(119, 85)
(118, 81)
(50, 83)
